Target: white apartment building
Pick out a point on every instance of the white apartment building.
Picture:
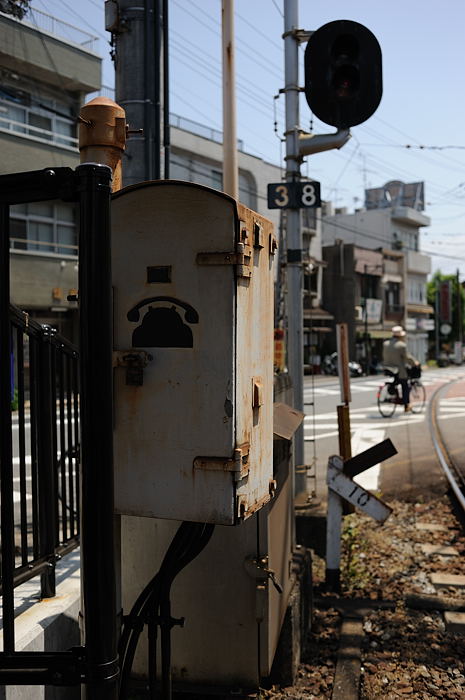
(391, 220)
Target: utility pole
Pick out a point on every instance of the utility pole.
(230, 171)
(140, 52)
(294, 233)
(459, 313)
(298, 144)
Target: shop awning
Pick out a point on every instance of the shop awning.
(379, 334)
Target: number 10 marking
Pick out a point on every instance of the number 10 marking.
(363, 498)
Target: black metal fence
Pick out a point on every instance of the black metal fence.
(39, 491)
(45, 450)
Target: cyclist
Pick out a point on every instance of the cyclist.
(397, 359)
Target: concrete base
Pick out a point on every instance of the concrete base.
(441, 580)
(455, 622)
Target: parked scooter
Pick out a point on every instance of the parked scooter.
(330, 366)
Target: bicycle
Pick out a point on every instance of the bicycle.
(390, 394)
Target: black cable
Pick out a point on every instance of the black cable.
(134, 623)
(189, 540)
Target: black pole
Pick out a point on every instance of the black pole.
(459, 314)
(47, 463)
(156, 58)
(97, 538)
(150, 82)
(6, 449)
(365, 277)
(166, 93)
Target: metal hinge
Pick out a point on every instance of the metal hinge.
(241, 258)
(238, 464)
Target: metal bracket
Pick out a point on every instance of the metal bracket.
(134, 362)
(300, 35)
(258, 569)
(272, 244)
(238, 464)
(240, 258)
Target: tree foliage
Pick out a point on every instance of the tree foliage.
(17, 8)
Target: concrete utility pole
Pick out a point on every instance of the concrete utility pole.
(136, 28)
(294, 232)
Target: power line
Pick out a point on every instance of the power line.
(258, 31)
(268, 66)
(279, 10)
(241, 84)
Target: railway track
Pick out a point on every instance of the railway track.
(452, 470)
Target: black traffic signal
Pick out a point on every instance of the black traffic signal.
(343, 73)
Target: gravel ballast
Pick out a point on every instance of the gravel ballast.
(405, 648)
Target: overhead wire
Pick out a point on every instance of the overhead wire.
(239, 42)
(395, 171)
(241, 84)
(279, 10)
(376, 117)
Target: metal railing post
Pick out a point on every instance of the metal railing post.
(47, 463)
(6, 448)
(96, 345)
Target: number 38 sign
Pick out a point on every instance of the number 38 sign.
(294, 195)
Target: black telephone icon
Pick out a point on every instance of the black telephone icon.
(163, 327)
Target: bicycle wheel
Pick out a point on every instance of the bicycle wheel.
(417, 396)
(386, 402)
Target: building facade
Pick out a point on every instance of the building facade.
(390, 222)
(44, 79)
(365, 289)
(43, 82)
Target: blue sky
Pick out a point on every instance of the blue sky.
(423, 101)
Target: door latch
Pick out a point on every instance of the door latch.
(258, 569)
(134, 362)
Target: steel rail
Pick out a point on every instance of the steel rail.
(444, 457)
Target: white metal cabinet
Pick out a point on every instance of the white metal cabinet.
(233, 618)
(193, 353)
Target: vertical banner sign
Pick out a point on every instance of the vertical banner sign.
(279, 350)
(445, 297)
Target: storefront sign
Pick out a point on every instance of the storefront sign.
(373, 310)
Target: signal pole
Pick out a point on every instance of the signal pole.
(294, 232)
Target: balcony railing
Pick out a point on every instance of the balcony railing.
(393, 312)
(37, 19)
(35, 132)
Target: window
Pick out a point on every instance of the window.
(34, 115)
(44, 227)
(217, 180)
(392, 296)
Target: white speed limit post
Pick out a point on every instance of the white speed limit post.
(342, 487)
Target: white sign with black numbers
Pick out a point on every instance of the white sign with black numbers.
(347, 489)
